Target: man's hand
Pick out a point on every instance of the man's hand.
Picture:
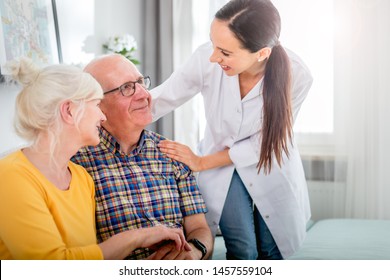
(169, 252)
(156, 237)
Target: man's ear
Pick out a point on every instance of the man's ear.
(66, 112)
(264, 54)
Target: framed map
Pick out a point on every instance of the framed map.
(29, 28)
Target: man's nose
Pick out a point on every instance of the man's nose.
(140, 91)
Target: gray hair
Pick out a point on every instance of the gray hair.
(43, 91)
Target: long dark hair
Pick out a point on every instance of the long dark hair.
(256, 24)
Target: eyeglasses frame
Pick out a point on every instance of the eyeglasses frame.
(131, 82)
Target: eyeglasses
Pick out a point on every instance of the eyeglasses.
(128, 89)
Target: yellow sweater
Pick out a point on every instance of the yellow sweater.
(39, 221)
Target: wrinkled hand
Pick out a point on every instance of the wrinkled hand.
(181, 153)
(154, 237)
(169, 252)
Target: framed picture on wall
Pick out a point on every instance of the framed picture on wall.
(29, 28)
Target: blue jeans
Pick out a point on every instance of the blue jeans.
(246, 235)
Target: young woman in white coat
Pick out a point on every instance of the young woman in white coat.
(250, 171)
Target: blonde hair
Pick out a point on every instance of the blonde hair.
(43, 91)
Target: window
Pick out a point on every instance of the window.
(76, 26)
(307, 29)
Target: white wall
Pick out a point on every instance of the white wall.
(8, 138)
(84, 27)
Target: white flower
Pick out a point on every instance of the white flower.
(119, 43)
(123, 44)
(128, 42)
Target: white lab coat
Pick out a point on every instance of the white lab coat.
(280, 196)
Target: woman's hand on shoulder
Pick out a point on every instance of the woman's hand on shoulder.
(182, 153)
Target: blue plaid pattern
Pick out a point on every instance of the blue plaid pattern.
(142, 189)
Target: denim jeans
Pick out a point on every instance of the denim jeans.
(246, 235)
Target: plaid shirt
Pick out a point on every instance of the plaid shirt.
(142, 189)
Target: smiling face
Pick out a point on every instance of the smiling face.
(228, 52)
(90, 123)
(124, 113)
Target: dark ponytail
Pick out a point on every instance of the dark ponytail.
(257, 24)
(277, 112)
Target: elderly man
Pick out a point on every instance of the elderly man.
(136, 185)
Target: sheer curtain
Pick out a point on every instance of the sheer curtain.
(158, 52)
(186, 121)
(191, 29)
(362, 88)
